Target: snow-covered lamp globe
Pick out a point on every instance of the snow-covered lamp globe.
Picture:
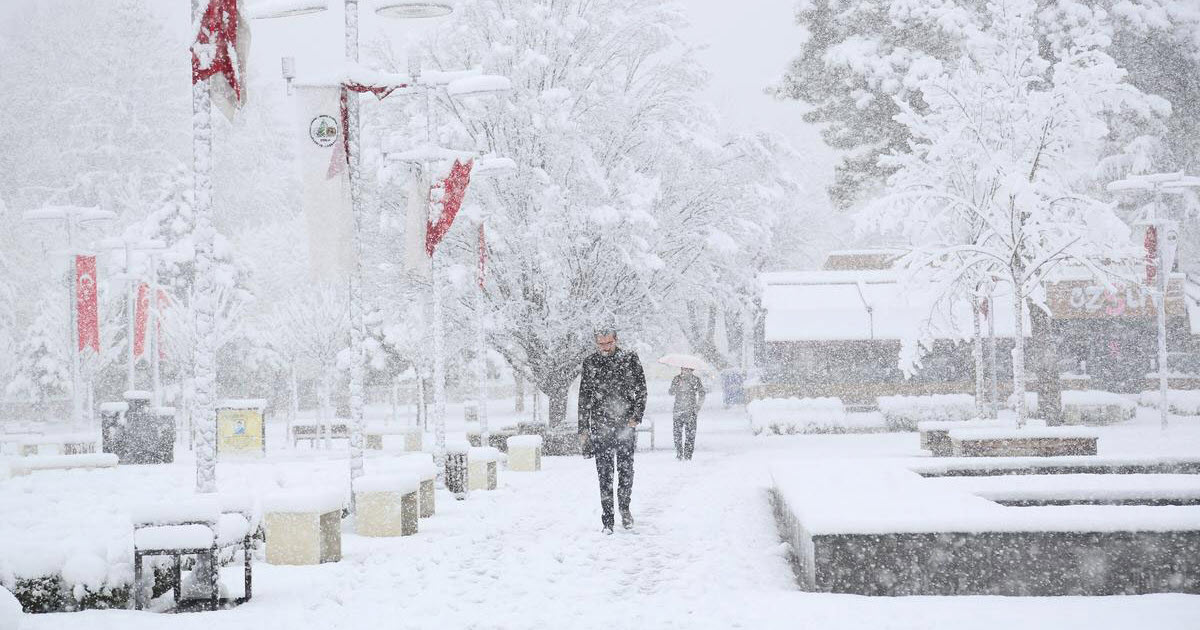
(413, 9)
(268, 9)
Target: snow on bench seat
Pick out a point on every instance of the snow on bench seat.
(1040, 441)
(86, 461)
(173, 537)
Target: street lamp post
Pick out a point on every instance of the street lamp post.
(74, 217)
(388, 8)
(1165, 230)
(149, 248)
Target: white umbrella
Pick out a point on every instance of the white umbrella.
(686, 361)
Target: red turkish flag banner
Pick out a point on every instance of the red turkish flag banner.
(142, 313)
(85, 303)
(453, 188)
(1151, 255)
(220, 48)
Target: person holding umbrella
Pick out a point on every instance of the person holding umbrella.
(689, 397)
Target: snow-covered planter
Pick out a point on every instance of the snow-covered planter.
(1185, 402)
(902, 413)
(935, 434)
(304, 527)
(80, 583)
(1096, 407)
(387, 505)
(787, 416)
(525, 453)
(481, 468)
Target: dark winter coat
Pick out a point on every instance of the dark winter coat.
(689, 393)
(612, 392)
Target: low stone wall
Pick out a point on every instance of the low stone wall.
(1005, 563)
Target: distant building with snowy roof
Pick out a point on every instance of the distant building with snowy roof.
(838, 331)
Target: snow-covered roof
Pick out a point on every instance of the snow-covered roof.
(860, 305)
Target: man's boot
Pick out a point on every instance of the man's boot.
(626, 518)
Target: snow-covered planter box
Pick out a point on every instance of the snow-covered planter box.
(787, 416)
(1096, 407)
(935, 434)
(1023, 442)
(1184, 402)
(45, 581)
(304, 527)
(902, 413)
(482, 463)
(386, 505)
(525, 453)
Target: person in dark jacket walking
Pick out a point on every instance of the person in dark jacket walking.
(612, 400)
(689, 397)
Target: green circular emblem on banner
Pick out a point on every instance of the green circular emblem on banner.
(323, 130)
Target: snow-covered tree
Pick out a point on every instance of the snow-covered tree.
(994, 182)
(43, 360)
(860, 58)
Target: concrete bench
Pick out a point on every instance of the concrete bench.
(481, 467)
(1026, 442)
(88, 461)
(339, 429)
(412, 436)
(304, 526)
(525, 453)
(387, 505)
(207, 527)
(426, 472)
(62, 443)
(935, 434)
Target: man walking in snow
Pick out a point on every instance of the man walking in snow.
(689, 397)
(612, 400)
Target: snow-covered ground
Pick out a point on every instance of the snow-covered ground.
(705, 552)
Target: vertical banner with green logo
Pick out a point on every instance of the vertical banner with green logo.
(324, 184)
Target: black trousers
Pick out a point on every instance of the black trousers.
(614, 449)
(685, 434)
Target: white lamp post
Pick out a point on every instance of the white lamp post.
(149, 248)
(387, 8)
(1165, 230)
(74, 217)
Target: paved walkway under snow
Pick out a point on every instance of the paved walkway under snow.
(704, 554)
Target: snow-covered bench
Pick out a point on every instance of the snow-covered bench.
(1096, 407)
(208, 527)
(337, 430)
(304, 526)
(89, 461)
(421, 465)
(375, 432)
(1024, 442)
(525, 452)
(935, 434)
(63, 443)
(481, 467)
(387, 505)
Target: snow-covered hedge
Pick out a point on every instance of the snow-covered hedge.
(1185, 402)
(786, 416)
(902, 413)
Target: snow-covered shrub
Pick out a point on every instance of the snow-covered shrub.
(1096, 407)
(1185, 402)
(780, 416)
(902, 413)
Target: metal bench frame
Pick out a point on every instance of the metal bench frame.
(213, 553)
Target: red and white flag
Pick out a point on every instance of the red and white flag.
(85, 300)
(452, 190)
(222, 47)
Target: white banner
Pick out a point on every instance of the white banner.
(324, 199)
(416, 218)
